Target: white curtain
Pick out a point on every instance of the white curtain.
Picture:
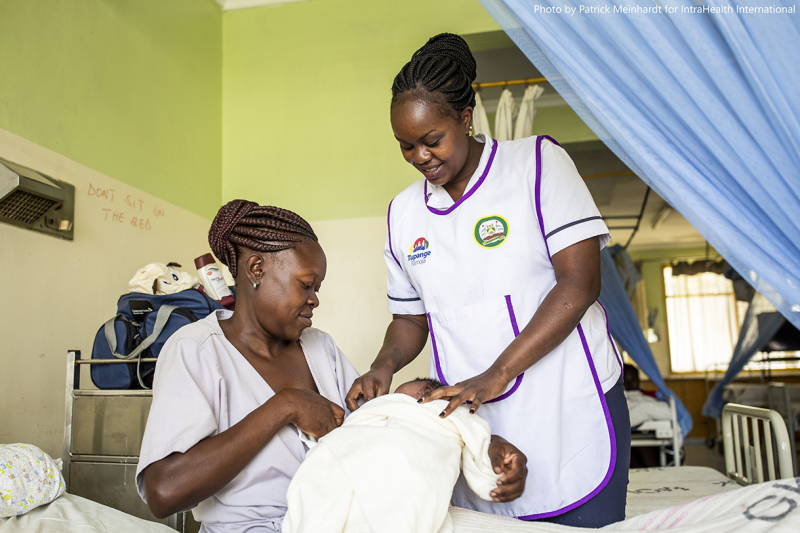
(527, 110)
(480, 123)
(504, 119)
(702, 319)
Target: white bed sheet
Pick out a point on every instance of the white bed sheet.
(71, 514)
(657, 488)
(768, 507)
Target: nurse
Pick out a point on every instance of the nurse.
(495, 254)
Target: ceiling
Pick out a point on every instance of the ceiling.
(230, 5)
(617, 191)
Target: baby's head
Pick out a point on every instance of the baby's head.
(419, 387)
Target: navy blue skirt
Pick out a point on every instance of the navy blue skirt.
(608, 506)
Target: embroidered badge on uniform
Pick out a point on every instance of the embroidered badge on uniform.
(491, 232)
(419, 251)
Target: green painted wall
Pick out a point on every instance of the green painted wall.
(132, 89)
(560, 123)
(306, 90)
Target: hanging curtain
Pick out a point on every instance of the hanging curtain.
(480, 124)
(704, 107)
(761, 323)
(625, 329)
(504, 118)
(702, 317)
(524, 125)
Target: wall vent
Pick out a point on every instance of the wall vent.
(34, 201)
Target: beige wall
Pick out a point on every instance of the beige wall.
(353, 297)
(55, 294)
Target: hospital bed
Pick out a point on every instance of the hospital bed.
(785, 400)
(766, 507)
(756, 445)
(70, 513)
(699, 499)
(663, 434)
(103, 432)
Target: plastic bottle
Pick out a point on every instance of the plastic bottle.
(211, 278)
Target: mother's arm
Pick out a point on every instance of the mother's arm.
(577, 272)
(182, 480)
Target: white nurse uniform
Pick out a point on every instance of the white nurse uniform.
(479, 268)
(202, 387)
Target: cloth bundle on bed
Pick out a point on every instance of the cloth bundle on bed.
(643, 408)
(391, 467)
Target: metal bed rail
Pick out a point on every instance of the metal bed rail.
(102, 437)
(742, 440)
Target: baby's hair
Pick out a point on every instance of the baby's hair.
(262, 228)
(430, 384)
(444, 65)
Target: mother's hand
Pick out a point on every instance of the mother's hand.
(374, 383)
(311, 413)
(477, 390)
(509, 461)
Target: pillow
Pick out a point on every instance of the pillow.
(28, 478)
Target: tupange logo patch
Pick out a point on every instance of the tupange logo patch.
(419, 251)
(491, 232)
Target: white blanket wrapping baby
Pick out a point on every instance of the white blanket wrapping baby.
(391, 467)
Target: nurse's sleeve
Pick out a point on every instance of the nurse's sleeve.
(565, 204)
(403, 298)
(187, 389)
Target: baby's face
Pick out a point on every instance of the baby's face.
(412, 388)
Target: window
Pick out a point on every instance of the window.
(703, 320)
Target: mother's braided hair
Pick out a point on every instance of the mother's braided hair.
(445, 64)
(262, 228)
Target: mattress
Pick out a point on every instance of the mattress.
(656, 488)
(766, 507)
(70, 513)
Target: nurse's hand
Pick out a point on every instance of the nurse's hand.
(374, 383)
(512, 464)
(310, 412)
(481, 388)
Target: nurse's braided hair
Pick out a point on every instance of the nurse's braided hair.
(262, 228)
(444, 65)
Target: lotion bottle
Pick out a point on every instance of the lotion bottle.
(211, 277)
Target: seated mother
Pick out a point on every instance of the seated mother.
(232, 390)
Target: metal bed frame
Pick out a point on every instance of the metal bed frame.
(667, 433)
(780, 396)
(103, 432)
(744, 458)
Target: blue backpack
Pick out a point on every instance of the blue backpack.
(143, 324)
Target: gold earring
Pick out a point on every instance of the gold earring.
(471, 131)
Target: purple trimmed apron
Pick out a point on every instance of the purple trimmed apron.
(482, 268)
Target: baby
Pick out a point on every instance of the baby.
(391, 466)
(417, 388)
